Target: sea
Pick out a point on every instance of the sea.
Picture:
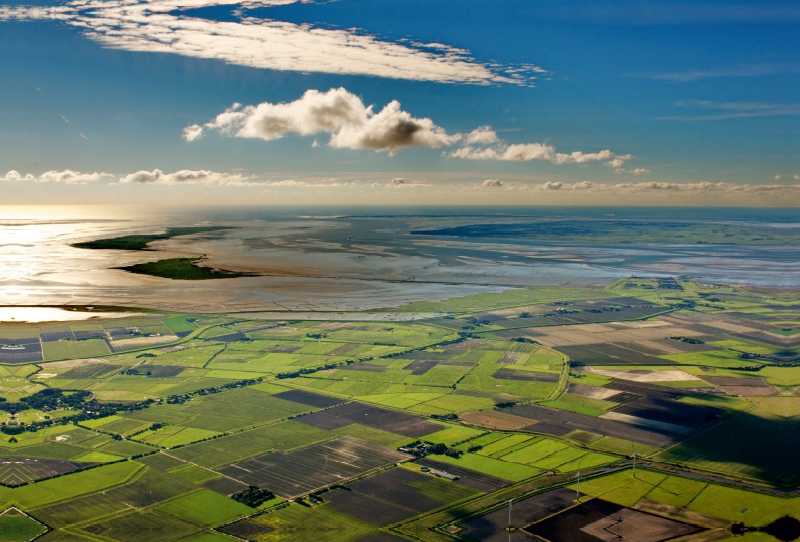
(358, 258)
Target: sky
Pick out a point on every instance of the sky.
(510, 102)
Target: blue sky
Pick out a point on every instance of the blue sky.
(573, 102)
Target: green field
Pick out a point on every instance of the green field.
(161, 427)
(75, 349)
(729, 447)
(706, 498)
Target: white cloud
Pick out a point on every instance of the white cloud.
(71, 177)
(526, 152)
(483, 144)
(516, 153)
(483, 135)
(638, 171)
(154, 26)
(493, 182)
(14, 176)
(579, 157)
(795, 177)
(618, 161)
(391, 129)
(186, 176)
(351, 124)
(192, 132)
(472, 153)
(67, 176)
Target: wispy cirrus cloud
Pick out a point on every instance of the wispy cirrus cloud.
(158, 26)
(733, 110)
(656, 189)
(350, 123)
(668, 13)
(744, 70)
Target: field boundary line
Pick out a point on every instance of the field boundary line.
(497, 500)
(125, 482)
(200, 466)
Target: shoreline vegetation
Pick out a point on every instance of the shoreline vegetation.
(141, 242)
(183, 269)
(171, 268)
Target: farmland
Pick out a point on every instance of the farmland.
(151, 426)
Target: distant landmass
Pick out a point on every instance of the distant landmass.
(141, 242)
(183, 269)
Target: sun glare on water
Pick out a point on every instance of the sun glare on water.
(51, 314)
(35, 252)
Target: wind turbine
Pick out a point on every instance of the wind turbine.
(633, 447)
(578, 488)
(510, 501)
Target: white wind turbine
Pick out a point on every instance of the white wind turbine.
(633, 447)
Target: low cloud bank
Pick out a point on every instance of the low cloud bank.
(185, 176)
(664, 188)
(484, 144)
(67, 176)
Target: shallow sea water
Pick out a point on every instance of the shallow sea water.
(349, 259)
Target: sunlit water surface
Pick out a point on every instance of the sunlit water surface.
(335, 259)
(52, 314)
